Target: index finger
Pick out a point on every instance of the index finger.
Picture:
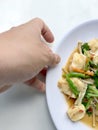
(45, 31)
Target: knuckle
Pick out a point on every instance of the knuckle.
(12, 28)
(39, 20)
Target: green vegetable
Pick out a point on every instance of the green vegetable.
(87, 66)
(91, 64)
(96, 73)
(84, 101)
(85, 47)
(88, 103)
(97, 106)
(72, 86)
(95, 77)
(89, 111)
(91, 92)
(78, 75)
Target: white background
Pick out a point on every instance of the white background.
(21, 107)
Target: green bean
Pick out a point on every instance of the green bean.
(78, 75)
(88, 103)
(72, 86)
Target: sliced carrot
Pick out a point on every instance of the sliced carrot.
(90, 73)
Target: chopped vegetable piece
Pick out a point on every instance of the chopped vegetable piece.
(78, 75)
(91, 91)
(97, 106)
(72, 86)
(96, 79)
(91, 64)
(85, 47)
(90, 73)
(88, 103)
(89, 111)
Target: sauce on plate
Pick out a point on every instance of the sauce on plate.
(87, 119)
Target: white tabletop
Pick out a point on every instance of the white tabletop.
(21, 107)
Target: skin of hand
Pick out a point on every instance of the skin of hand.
(23, 54)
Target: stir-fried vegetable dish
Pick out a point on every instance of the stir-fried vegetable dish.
(79, 81)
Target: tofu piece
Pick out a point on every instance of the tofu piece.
(95, 59)
(79, 84)
(78, 61)
(76, 113)
(93, 45)
(96, 53)
(64, 87)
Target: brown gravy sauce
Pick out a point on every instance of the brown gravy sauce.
(87, 119)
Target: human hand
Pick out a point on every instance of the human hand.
(24, 54)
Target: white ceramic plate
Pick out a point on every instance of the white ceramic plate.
(55, 99)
